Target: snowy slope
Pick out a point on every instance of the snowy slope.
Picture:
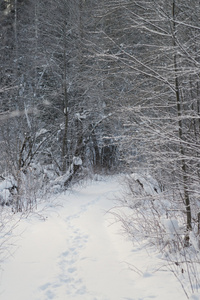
(75, 253)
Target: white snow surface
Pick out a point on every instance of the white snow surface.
(77, 251)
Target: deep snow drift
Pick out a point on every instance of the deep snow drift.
(77, 251)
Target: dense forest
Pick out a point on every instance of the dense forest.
(102, 86)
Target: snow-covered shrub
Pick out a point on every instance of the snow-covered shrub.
(8, 188)
(154, 215)
(32, 185)
(22, 190)
(76, 173)
(157, 217)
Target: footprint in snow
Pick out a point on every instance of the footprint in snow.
(50, 294)
(71, 270)
(44, 286)
(66, 253)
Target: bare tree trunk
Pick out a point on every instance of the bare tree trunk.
(64, 141)
(180, 126)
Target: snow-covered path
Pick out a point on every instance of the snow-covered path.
(75, 254)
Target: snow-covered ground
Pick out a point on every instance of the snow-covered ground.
(76, 251)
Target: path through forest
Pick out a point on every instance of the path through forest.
(76, 252)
